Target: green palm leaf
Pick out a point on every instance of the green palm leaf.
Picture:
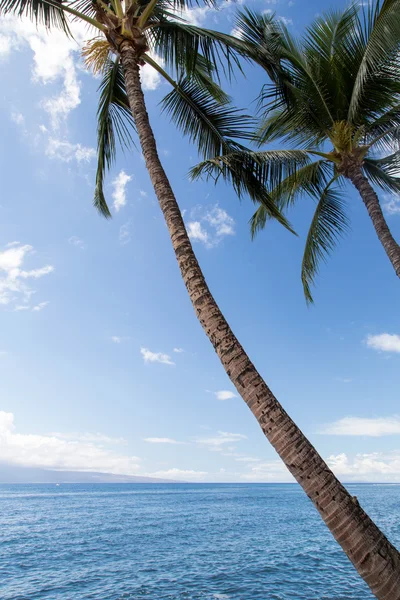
(114, 121)
(208, 122)
(41, 12)
(309, 179)
(250, 173)
(384, 172)
(377, 39)
(328, 224)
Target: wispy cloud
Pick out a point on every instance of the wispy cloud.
(374, 466)
(150, 78)
(54, 59)
(178, 350)
(125, 233)
(13, 277)
(66, 151)
(97, 438)
(385, 342)
(224, 395)
(179, 474)
(356, 426)
(63, 452)
(116, 339)
(156, 357)
(218, 441)
(161, 440)
(269, 471)
(75, 241)
(39, 307)
(119, 193)
(391, 205)
(209, 225)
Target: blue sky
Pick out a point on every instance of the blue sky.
(103, 365)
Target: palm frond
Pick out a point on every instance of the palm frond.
(253, 174)
(310, 179)
(39, 11)
(211, 123)
(384, 172)
(377, 39)
(180, 45)
(114, 121)
(328, 224)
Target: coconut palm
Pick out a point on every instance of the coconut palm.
(200, 108)
(334, 94)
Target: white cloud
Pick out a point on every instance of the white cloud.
(179, 474)
(125, 233)
(119, 194)
(75, 241)
(195, 16)
(116, 339)
(222, 437)
(98, 438)
(385, 342)
(5, 47)
(143, 194)
(12, 276)
(159, 440)
(237, 33)
(151, 357)
(363, 426)
(40, 306)
(272, 471)
(18, 118)
(211, 225)
(65, 151)
(374, 466)
(56, 452)
(61, 105)
(224, 395)
(149, 77)
(197, 233)
(391, 205)
(284, 20)
(54, 56)
(178, 350)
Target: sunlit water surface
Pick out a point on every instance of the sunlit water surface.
(176, 542)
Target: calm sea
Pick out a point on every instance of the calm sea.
(176, 542)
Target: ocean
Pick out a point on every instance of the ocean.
(178, 542)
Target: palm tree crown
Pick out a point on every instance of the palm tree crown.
(191, 60)
(334, 99)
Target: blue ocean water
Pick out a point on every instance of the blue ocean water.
(177, 542)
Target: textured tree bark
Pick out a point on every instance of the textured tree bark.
(374, 557)
(373, 206)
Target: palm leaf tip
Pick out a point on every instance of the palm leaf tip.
(328, 224)
(100, 202)
(115, 122)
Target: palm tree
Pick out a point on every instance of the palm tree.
(195, 103)
(335, 96)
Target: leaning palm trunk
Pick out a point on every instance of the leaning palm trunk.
(373, 207)
(374, 557)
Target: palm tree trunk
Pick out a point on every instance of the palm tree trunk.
(374, 557)
(371, 201)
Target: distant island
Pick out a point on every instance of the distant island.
(15, 474)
